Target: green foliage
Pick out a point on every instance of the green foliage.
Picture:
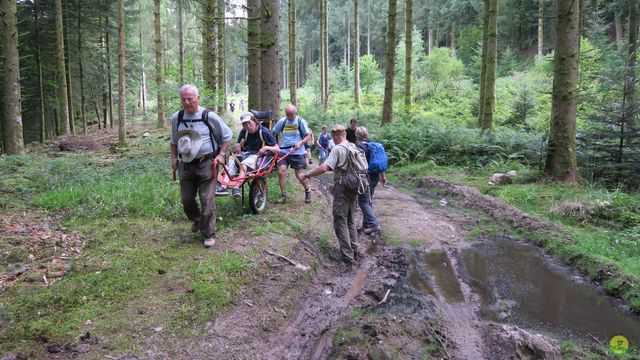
(441, 71)
(370, 72)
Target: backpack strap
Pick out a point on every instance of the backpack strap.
(246, 136)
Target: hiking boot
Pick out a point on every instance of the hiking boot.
(195, 227)
(237, 193)
(307, 197)
(282, 199)
(209, 242)
(220, 191)
(372, 230)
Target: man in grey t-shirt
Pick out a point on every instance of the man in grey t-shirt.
(196, 141)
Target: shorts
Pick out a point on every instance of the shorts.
(297, 162)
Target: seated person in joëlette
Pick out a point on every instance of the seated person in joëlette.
(254, 142)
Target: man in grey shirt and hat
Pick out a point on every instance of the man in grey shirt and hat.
(198, 137)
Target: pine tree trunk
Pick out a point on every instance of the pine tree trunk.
(325, 54)
(143, 75)
(122, 99)
(630, 83)
(253, 51)
(82, 114)
(13, 138)
(222, 63)
(292, 53)
(109, 80)
(490, 68)
(348, 58)
(356, 53)
(159, 75)
(453, 38)
(270, 60)
(369, 27)
(209, 45)
(67, 59)
(561, 153)
(387, 105)
(408, 92)
(63, 100)
(36, 40)
(619, 30)
(483, 65)
(540, 28)
(430, 33)
(181, 41)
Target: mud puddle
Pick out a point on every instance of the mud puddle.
(518, 285)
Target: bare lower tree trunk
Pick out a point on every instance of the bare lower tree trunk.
(122, 99)
(270, 60)
(143, 75)
(348, 57)
(453, 38)
(67, 59)
(222, 68)
(488, 108)
(540, 28)
(483, 64)
(292, 53)
(325, 54)
(408, 55)
(387, 105)
(619, 30)
(109, 80)
(561, 154)
(209, 59)
(63, 100)
(36, 40)
(82, 114)
(369, 27)
(630, 83)
(181, 41)
(356, 53)
(253, 51)
(13, 138)
(159, 76)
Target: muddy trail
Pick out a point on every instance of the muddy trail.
(422, 290)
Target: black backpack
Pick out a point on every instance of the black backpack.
(215, 138)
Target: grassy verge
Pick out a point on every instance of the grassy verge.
(604, 225)
(140, 269)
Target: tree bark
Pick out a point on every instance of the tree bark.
(270, 60)
(490, 67)
(483, 64)
(540, 28)
(122, 99)
(369, 27)
(209, 59)
(36, 40)
(292, 53)
(453, 38)
(181, 41)
(143, 75)
(325, 54)
(408, 92)
(619, 30)
(630, 83)
(430, 33)
(13, 138)
(159, 75)
(222, 62)
(109, 80)
(356, 53)
(82, 114)
(67, 59)
(561, 153)
(348, 53)
(387, 105)
(254, 53)
(62, 79)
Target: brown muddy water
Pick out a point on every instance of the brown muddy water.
(518, 284)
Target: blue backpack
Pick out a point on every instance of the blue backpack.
(378, 162)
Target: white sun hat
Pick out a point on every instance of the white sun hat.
(189, 143)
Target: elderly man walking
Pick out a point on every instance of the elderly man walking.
(295, 134)
(198, 137)
(344, 199)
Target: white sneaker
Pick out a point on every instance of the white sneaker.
(209, 242)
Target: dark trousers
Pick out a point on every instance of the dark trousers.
(196, 178)
(344, 224)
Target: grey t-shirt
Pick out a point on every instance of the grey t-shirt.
(219, 127)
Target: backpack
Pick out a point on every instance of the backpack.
(355, 177)
(246, 136)
(378, 161)
(215, 138)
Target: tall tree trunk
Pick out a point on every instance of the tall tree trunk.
(222, 63)
(322, 30)
(325, 54)
(103, 68)
(561, 153)
(143, 75)
(408, 55)
(348, 58)
(490, 68)
(159, 74)
(483, 64)
(254, 53)
(387, 105)
(540, 28)
(209, 59)
(369, 27)
(82, 114)
(109, 80)
(619, 30)
(67, 59)
(13, 138)
(292, 53)
(270, 60)
(630, 83)
(453, 38)
(122, 99)
(63, 100)
(181, 41)
(356, 53)
(36, 40)
(430, 33)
